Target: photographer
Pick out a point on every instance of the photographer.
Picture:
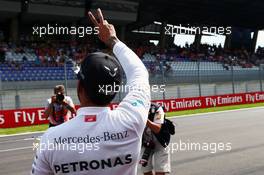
(59, 107)
(155, 141)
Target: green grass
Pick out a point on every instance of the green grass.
(24, 129)
(44, 127)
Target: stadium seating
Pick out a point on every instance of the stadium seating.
(17, 57)
(183, 64)
(30, 73)
(30, 70)
(148, 58)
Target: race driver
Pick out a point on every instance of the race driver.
(112, 139)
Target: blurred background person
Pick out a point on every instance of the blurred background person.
(155, 156)
(59, 108)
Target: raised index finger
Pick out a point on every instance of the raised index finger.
(92, 18)
(100, 15)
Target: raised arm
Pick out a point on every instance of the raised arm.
(136, 103)
(134, 69)
(132, 65)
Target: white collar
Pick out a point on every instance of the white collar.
(91, 110)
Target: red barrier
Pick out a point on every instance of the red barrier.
(22, 117)
(211, 101)
(34, 116)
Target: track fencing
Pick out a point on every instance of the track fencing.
(178, 84)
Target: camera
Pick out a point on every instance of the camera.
(149, 147)
(60, 97)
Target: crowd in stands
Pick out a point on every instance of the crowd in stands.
(55, 53)
(48, 54)
(236, 57)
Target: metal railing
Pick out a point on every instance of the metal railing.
(178, 84)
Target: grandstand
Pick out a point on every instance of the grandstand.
(29, 62)
(28, 72)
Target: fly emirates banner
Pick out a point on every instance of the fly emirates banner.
(34, 116)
